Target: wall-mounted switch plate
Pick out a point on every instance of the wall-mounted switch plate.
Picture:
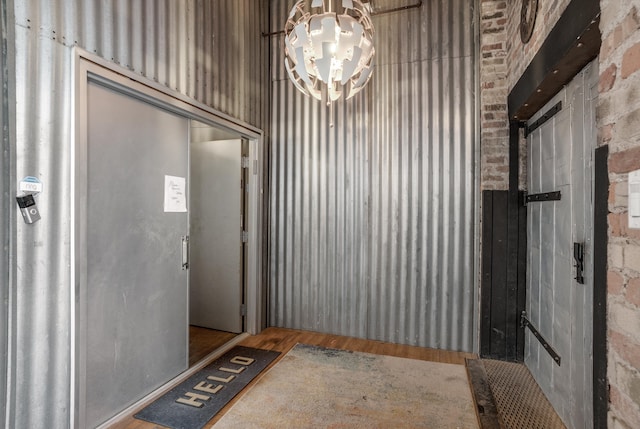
(634, 199)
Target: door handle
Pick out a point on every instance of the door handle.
(578, 255)
(185, 252)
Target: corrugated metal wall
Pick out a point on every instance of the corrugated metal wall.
(207, 50)
(210, 51)
(372, 221)
(6, 153)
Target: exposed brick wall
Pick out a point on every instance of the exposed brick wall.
(493, 80)
(619, 127)
(503, 60)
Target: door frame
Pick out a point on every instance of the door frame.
(89, 67)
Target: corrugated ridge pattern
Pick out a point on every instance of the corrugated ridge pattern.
(210, 51)
(43, 282)
(6, 204)
(372, 221)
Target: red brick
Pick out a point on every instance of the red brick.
(631, 23)
(624, 161)
(493, 30)
(496, 107)
(492, 47)
(625, 231)
(494, 124)
(611, 43)
(496, 160)
(633, 293)
(612, 194)
(493, 178)
(624, 408)
(625, 347)
(615, 283)
(493, 16)
(614, 224)
(630, 61)
(607, 78)
(607, 47)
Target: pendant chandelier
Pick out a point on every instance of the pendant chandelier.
(327, 51)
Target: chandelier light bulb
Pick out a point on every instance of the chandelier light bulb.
(328, 51)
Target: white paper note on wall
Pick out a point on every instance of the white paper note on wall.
(175, 196)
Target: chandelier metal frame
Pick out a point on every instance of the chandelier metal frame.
(329, 53)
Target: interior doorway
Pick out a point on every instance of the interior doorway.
(217, 252)
(132, 208)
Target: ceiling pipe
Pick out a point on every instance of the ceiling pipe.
(380, 12)
(397, 9)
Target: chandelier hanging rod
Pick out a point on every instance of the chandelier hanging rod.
(397, 9)
(381, 12)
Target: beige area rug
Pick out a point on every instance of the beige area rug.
(315, 387)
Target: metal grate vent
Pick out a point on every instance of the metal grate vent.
(520, 401)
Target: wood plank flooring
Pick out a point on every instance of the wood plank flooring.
(283, 340)
(203, 341)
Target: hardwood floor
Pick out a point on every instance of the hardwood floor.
(283, 340)
(203, 341)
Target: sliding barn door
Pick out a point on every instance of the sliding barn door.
(560, 250)
(136, 289)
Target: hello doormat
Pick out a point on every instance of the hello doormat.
(194, 402)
